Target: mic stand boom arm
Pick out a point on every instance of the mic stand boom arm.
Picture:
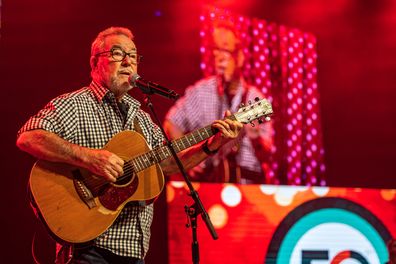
(197, 207)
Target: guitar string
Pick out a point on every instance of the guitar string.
(154, 154)
(196, 136)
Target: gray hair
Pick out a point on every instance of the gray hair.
(98, 43)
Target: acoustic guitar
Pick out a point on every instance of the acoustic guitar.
(78, 206)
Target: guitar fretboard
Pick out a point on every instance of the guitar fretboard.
(158, 154)
(244, 115)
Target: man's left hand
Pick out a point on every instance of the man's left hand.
(228, 130)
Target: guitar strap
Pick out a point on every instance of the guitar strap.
(232, 170)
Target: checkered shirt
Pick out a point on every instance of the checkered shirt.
(201, 105)
(90, 117)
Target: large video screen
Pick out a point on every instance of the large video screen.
(283, 224)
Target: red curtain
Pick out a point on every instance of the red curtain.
(281, 61)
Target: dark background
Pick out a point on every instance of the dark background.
(45, 48)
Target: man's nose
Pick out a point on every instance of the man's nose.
(127, 60)
(221, 59)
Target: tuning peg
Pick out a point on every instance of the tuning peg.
(256, 99)
(260, 121)
(241, 105)
(249, 102)
(252, 124)
(267, 118)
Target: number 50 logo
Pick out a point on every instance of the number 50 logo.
(310, 255)
(329, 229)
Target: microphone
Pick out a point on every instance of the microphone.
(148, 87)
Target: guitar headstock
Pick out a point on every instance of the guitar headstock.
(259, 109)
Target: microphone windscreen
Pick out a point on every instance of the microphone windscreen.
(133, 78)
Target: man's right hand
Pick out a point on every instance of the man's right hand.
(49, 146)
(104, 163)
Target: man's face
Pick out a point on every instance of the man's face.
(227, 58)
(114, 74)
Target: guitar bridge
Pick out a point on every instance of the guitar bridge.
(82, 190)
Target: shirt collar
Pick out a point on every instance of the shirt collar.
(100, 92)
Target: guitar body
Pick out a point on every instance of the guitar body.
(78, 206)
(63, 203)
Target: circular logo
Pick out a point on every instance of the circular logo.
(329, 229)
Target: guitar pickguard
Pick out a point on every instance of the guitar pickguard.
(114, 195)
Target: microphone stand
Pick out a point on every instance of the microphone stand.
(197, 207)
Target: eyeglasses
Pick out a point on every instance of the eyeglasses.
(217, 51)
(119, 55)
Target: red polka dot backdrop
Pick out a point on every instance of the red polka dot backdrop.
(281, 62)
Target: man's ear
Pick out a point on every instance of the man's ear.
(93, 61)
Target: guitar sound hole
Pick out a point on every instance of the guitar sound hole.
(128, 175)
(124, 179)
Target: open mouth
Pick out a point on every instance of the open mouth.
(125, 73)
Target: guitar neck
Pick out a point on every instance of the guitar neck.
(161, 153)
